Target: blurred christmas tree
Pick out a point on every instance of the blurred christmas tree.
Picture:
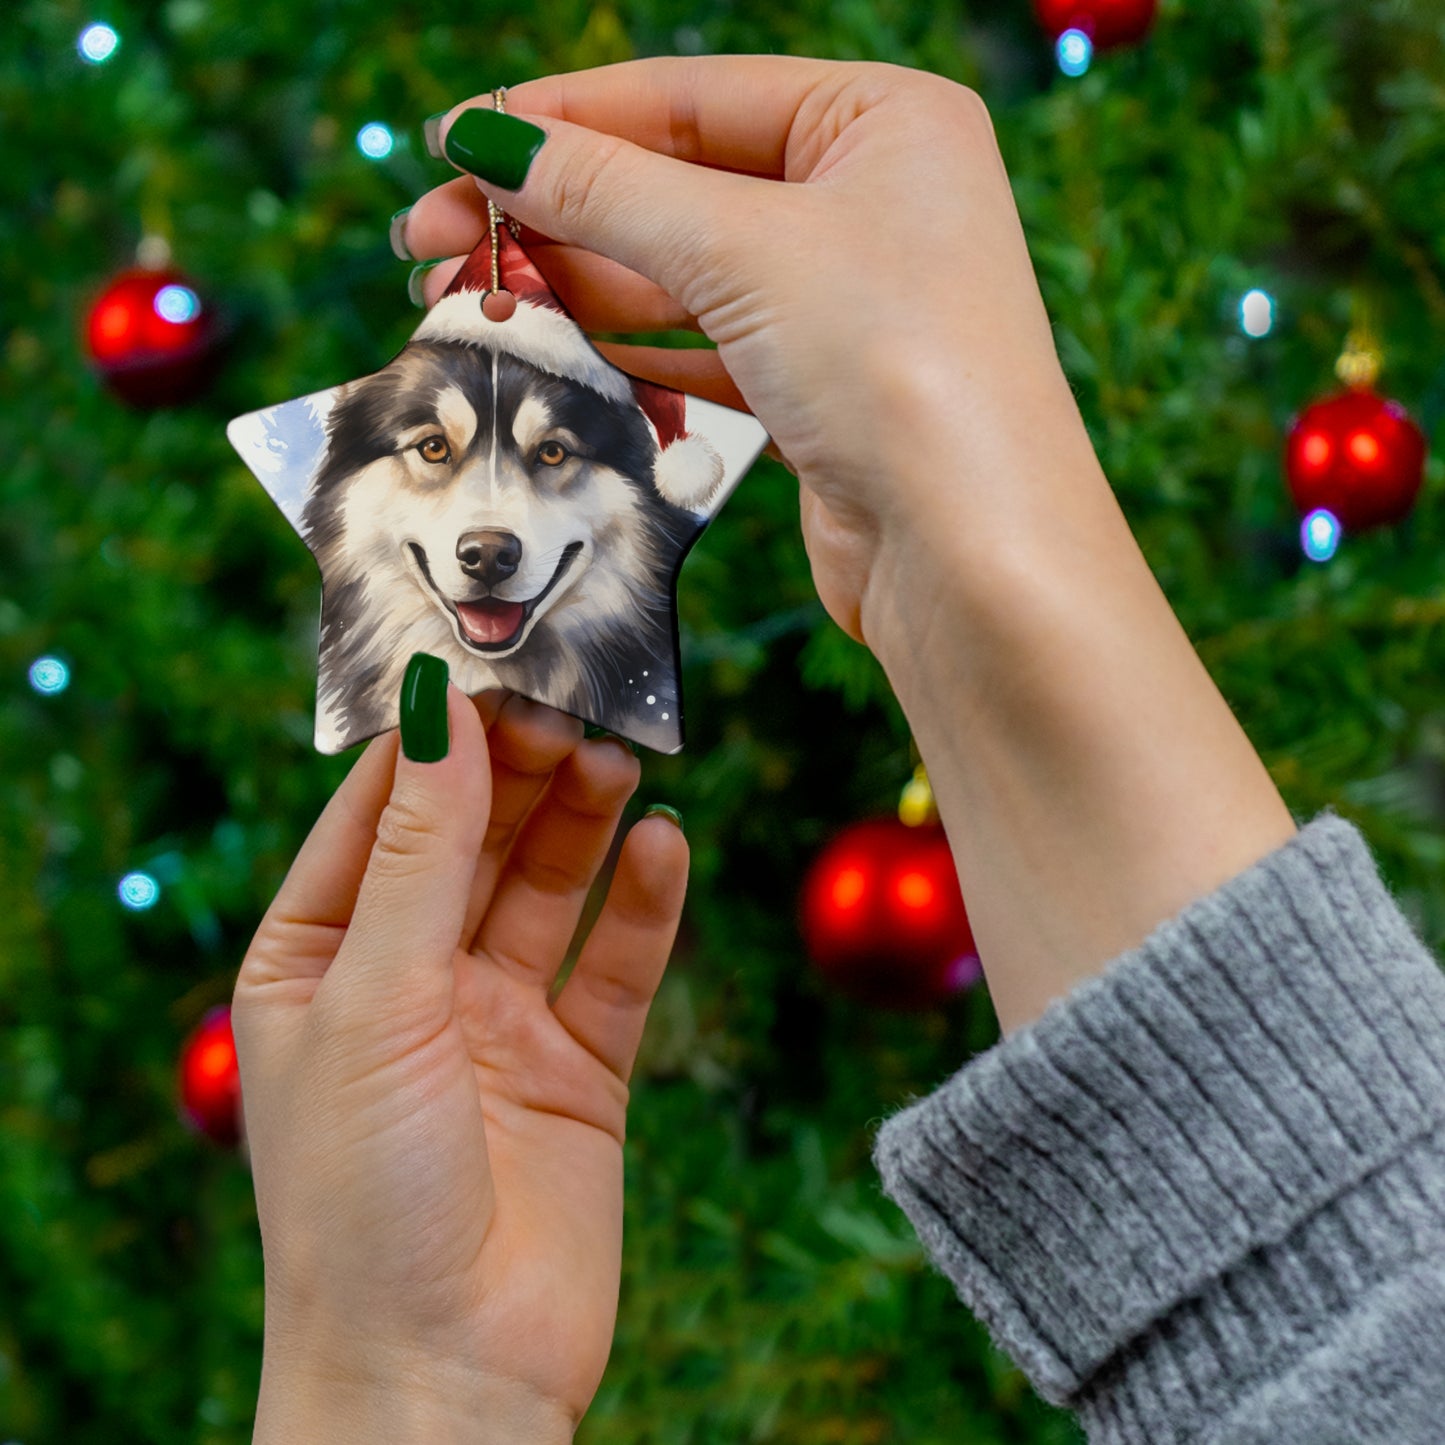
(770, 1292)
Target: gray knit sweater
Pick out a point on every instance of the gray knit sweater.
(1202, 1199)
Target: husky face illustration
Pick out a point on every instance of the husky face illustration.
(474, 506)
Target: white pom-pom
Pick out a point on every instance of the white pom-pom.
(688, 473)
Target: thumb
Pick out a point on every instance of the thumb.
(666, 219)
(395, 963)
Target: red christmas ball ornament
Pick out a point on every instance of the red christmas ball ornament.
(210, 1080)
(883, 917)
(1359, 456)
(152, 338)
(1107, 23)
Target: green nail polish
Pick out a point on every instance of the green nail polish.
(592, 730)
(498, 148)
(397, 235)
(415, 294)
(662, 810)
(431, 133)
(424, 734)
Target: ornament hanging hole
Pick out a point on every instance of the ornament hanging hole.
(499, 305)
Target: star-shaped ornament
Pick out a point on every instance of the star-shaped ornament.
(504, 497)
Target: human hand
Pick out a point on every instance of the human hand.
(879, 312)
(847, 235)
(437, 1149)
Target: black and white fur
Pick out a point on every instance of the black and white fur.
(453, 441)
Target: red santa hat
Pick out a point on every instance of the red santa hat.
(541, 333)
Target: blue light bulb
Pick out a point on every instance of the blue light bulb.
(375, 141)
(138, 891)
(177, 304)
(1075, 52)
(49, 675)
(1320, 535)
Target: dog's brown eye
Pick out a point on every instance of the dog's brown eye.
(551, 454)
(434, 449)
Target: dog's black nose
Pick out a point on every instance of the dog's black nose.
(489, 556)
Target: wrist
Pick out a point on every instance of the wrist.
(407, 1400)
(980, 523)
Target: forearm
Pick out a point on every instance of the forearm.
(1092, 779)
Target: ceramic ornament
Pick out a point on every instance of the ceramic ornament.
(502, 496)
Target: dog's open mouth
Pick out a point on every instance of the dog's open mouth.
(492, 624)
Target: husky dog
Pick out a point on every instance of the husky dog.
(502, 517)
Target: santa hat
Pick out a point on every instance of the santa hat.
(541, 333)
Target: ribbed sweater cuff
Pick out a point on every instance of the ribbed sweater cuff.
(1163, 1130)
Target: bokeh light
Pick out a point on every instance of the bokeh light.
(177, 304)
(138, 891)
(849, 887)
(1364, 448)
(97, 43)
(1320, 535)
(1075, 52)
(49, 675)
(1256, 313)
(375, 141)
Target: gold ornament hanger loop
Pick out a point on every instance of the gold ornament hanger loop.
(498, 304)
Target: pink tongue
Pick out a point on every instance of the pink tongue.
(490, 621)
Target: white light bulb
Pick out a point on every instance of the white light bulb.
(1256, 313)
(375, 141)
(97, 44)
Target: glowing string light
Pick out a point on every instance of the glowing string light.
(375, 141)
(1256, 313)
(1320, 535)
(138, 891)
(49, 675)
(1075, 52)
(97, 44)
(177, 304)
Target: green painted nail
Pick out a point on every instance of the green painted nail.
(397, 234)
(431, 133)
(593, 730)
(498, 148)
(424, 734)
(414, 292)
(662, 810)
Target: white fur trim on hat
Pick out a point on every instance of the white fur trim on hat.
(543, 337)
(688, 472)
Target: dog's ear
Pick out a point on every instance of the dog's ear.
(687, 470)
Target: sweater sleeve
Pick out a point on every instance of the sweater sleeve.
(1202, 1199)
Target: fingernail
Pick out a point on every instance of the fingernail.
(424, 735)
(498, 148)
(413, 282)
(431, 133)
(592, 730)
(663, 811)
(397, 235)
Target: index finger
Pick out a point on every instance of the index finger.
(734, 112)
